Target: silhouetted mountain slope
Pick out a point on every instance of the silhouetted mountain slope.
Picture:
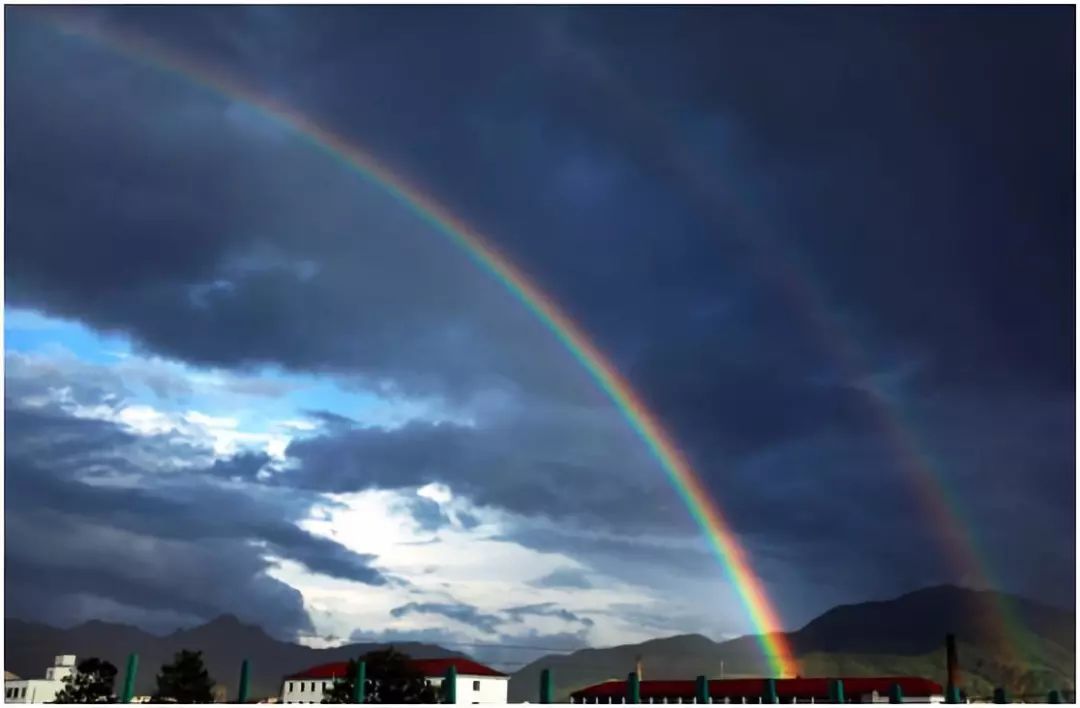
(914, 623)
(29, 649)
(900, 636)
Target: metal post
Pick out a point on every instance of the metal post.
(129, 678)
(450, 685)
(633, 688)
(702, 692)
(836, 691)
(245, 681)
(952, 670)
(547, 689)
(360, 682)
(770, 695)
(896, 694)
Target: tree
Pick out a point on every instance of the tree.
(390, 679)
(186, 680)
(92, 682)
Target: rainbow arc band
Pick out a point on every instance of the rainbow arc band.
(721, 540)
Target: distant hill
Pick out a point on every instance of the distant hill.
(900, 636)
(29, 649)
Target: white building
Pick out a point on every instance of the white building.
(40, 690)
(476, 683)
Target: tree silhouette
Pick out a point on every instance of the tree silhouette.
(92, 682)
(390, 679)
(186, 680)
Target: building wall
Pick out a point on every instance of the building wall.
(63, 666)
(31, 690)
(470, 689)
(477, 689)
(304, 691)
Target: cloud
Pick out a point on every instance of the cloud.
(152, 540)
(548, 609)
(466, 614)
(564, 578)
(748, 273)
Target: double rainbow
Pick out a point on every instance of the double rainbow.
(721, 540)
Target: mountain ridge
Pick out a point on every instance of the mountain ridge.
(900, 636)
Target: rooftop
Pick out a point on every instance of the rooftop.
(785, 688)
(427, 667)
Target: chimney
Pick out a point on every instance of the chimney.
(639, 666)
(952, 669)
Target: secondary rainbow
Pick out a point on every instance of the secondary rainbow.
(779, 264)
(722, 541)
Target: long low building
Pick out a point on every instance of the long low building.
(476, 683)
(802, 690)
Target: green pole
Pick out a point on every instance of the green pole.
(769, 694)
(633, 688)
(1000, 696)
(129, 678)
(547, 688)
(360, 682)
(896, 694)
(1054, 696)
(952, 695)
(836, 691)
(702, 689)
(245, 681)
(450, 685)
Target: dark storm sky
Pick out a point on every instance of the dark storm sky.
(729, 200)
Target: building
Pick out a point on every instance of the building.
(801, 690)
(476, 683)
(44, 690)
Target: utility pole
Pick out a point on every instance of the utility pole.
(721, 669)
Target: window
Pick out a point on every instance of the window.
(476, 685)
(23, 694)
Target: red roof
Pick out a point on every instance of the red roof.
(428, 667)
(467, 667)
(785, 688)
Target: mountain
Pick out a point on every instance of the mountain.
(901, 636)
(29, 649)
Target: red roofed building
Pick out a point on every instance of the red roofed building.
(476, 683)
(803, 690)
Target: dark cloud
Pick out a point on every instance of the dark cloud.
(548, 609)
(428, 514)
(564, 578)
(523, 460)
(245, 465)
(156, 541)
(766, 224)
(466, 614)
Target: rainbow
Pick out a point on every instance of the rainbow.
(720, 537)
(807, 299)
